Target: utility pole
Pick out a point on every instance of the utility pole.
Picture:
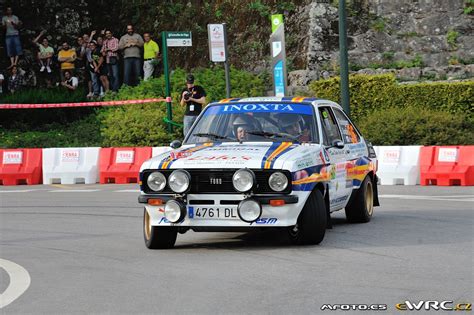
(344, 73)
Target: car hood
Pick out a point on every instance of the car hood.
(254, 155)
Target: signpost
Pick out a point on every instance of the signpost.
(217, 34)
(172, 39)
(277, 40)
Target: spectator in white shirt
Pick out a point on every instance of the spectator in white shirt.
(70, 82)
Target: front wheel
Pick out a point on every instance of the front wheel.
(361, 205)
(158, 237)
(312, 221)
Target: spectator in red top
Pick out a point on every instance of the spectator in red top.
(109, 49)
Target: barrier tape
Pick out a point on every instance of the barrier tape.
(84, 104)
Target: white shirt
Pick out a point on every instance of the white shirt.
(1, 82)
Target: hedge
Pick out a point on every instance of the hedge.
(370, 92)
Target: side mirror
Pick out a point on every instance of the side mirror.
(175, 144)
(338, 144)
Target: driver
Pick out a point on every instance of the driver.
(240, 127)
(294, 125)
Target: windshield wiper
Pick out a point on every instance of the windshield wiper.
(268, 134)
(212, 135)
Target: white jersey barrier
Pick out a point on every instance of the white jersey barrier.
(158, 150)
(398, 165)
(70, 166)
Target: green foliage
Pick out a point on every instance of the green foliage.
(413, 125)
(379, 24)
(44, 96)
(452, 38)
(468, 7)
(260, 8)
(81, 133)
(371, 92)
(144, 125)
(389, 63)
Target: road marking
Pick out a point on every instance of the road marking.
(466, 198)
(128, 190)
(19, 282)
(74, 190)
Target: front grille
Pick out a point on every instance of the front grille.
(205, 181)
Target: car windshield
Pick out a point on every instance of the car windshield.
(239, 122)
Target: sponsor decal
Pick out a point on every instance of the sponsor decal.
(260, 108)
(338, 200)
(305, 180)
(390, 156)
(164, 220)
(125, 156)
(68, 155)
(265, 221)
(175, 155)
(12, 157)
(433, 305)
(448, 155)
(354, 307)
(222, 157)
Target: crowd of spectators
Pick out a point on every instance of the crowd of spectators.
(98, 61)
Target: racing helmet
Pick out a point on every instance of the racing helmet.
(286, 121)
(242, 121)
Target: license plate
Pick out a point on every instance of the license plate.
(212, 212)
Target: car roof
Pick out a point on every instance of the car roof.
(272, 99)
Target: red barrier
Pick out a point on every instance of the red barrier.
(84, 104)
(20, 166)
(122, 165)
(447, 165)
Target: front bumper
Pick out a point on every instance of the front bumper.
(272, 216)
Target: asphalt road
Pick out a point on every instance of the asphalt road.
(83, 249)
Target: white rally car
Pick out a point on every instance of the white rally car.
(259, 163)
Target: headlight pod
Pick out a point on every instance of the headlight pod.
(179, 181)
(243, 180)
(278, 181)
(249, 210)
(175, 211)
(156, 181)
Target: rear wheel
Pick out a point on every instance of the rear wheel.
(312, 221)
(361, 205)
(158, 237)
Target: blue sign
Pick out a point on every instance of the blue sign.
(278, 77)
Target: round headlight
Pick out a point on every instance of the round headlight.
(175, 211)
(179, 181)
(243, 180)
(278, 181)
(249, 210)
(156, 181)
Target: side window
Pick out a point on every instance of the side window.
(349, 133)
(329, 124)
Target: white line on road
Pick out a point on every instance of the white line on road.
(74, 190)
(468, 198)
(19, 282)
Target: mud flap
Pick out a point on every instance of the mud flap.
(376, 191)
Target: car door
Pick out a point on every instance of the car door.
(338, 192)
(356, 149)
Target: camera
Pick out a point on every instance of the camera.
(187, 95)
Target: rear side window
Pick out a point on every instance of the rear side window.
(349, 132)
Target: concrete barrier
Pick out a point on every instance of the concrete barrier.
(70, 165)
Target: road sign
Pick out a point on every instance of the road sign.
(217, 49)
(179, 39)
(277, 41)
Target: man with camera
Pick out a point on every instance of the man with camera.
(194, 97)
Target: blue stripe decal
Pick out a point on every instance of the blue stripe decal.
(281, 153)
(270, 150)
(191, 212)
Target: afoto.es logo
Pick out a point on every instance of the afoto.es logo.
(354, 307)
(433, 305)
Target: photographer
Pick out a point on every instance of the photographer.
(194, 97)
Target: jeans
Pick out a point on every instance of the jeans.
(95, 83)
(113, 76)
(131, 71)
(188, 121)
(13, 44)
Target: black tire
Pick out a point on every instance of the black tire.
(361, 205)
(312, 222)
(158, 237)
